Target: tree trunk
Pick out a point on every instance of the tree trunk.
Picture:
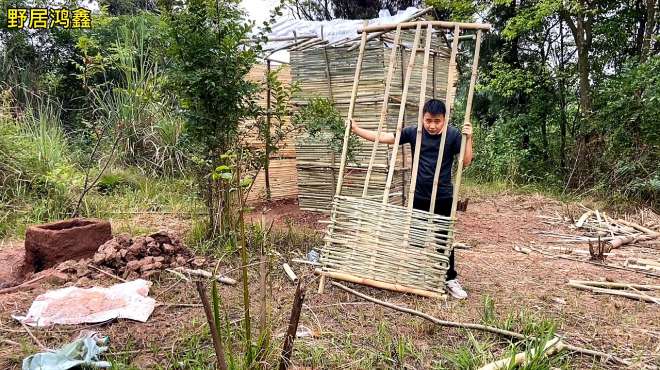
(562, 100)
(581, 30)
(651, 11)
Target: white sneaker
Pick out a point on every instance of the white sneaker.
(454, 288)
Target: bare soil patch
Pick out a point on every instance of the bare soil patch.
(349, 332)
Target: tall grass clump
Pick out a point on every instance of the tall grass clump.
(38, 174)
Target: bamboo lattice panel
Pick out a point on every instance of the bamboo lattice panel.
(317, 164)
(368, 240)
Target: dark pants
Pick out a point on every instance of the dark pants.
(442, 208)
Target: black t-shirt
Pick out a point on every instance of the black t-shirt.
(429, 158)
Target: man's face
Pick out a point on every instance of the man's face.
(433, 123)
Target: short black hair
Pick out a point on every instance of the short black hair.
(434, 106)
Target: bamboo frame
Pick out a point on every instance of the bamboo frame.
(435, 24)
(361, 230)
(420, 115)
(383, 110)
(402, 113)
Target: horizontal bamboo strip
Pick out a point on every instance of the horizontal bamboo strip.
(435, 24)
(378, 284)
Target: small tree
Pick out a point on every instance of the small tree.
(211, 61)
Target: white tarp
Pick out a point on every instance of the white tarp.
(333, 30)
(75, 305)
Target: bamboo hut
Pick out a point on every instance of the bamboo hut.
(322, 68)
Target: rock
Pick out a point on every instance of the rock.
(99, 258)
(199, 262)
(134, 265)
(169, 248)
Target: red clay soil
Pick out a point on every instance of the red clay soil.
(518, 283)
(12, 255)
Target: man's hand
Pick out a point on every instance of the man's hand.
(354, 125)
(467, 129)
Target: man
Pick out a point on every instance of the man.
(433, 123)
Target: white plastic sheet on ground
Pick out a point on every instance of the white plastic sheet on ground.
(75, 305)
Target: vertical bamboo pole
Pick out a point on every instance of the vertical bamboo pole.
(451, 79)
(351, 108)
(383, 110)
(402, 112)
(420, 118)
(347, 132)
(468, 112)
(268, 114)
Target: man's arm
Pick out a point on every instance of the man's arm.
(467, 157)
(385, 137)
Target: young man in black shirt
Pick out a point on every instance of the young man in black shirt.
(434, 121)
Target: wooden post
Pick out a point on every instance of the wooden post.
(287, 349)
(383, 111)
(402, 112)
(215, 335)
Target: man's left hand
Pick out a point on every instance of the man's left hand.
(467, 129)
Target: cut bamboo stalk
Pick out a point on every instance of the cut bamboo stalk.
(583, 218)
(468, 112)
(608, 284)
(551, 347)
(381, 285)
(639, 227)
(615, 292)
(289, 273)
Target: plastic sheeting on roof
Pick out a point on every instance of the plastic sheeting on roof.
(334, 31)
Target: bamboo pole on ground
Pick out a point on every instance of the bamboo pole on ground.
(640, 296)
(552, 346)
(506, 333)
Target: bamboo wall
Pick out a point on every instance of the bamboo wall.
(283, 176)
(317, 164)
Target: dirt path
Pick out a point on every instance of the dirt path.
(522, 287)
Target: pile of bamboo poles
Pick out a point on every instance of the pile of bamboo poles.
(604, 233)
(328, 71)
(643, 292)
(368, 239)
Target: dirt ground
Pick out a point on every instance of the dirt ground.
(348, 332)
